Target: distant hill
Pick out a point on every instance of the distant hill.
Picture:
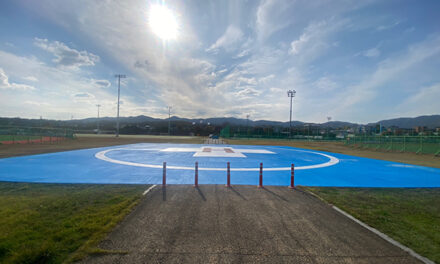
(339, 124)
(430, 121)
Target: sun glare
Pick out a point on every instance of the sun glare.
(163, 22)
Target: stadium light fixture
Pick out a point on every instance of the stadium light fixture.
(291, 94)
(119, 76)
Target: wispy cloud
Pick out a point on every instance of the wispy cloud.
(5, 84)
(388, 26)
(65, 56)
(316, 38)
(372, 53)
(31, 78)
(388, 70)
(229, 40)
(101, 83)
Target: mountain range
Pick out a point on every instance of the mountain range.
(430, 121)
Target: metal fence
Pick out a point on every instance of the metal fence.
(273, 134)
(415, 144)
(22, 135)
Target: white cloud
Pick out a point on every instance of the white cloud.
(388, 26)
(65, 56)
(325, 84)
(101, 83)
(267, 78)
(84, 95)
(5, 84)
(243, 53)
(372, 53)
(315, 39)
(229, 40)
(270, 17)
(388, 70)
(31, 78)
(57, 86)
(247, 92)
(424, 102)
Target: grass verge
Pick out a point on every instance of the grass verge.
(55, 223)
(410, 216)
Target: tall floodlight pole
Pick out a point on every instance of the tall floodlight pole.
(119, 76)
(169, 120)
(291, 94)
(97, 123)
(329, 118)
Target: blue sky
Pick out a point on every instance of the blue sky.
(359, 61)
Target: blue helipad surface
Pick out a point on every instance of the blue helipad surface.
(142, 164)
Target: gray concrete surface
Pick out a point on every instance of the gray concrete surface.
(243, 224)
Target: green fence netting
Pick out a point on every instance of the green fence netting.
(21, 134)
(416, 144)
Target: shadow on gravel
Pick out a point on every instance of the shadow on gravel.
(237, 193)
(278, 196)
(164, 193)
(201, 193)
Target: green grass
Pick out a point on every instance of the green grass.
(410, 216)
(54, 223)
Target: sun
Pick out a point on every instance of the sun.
(163, 22)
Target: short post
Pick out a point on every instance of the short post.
(196, 177)
(164, 179)
(260, 185)
(292, 177)
(228, 181)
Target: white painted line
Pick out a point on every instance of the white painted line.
(149, 189)
(333, 161)
(385, 237)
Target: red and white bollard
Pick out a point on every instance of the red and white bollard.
(260, 185)
(196, 176)
(292, 177)
(228, 181)
(164, 179)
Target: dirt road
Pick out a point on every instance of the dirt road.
(243, 224)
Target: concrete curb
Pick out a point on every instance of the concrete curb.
(385, 237)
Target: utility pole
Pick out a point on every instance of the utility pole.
(169, 120)
(328, 126)
(97, 123)
(119, 76)
(247, 124)
(291, 94)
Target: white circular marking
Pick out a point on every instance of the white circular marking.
(101, 155)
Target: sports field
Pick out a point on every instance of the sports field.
(141, 163)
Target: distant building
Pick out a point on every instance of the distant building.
(420, 129)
